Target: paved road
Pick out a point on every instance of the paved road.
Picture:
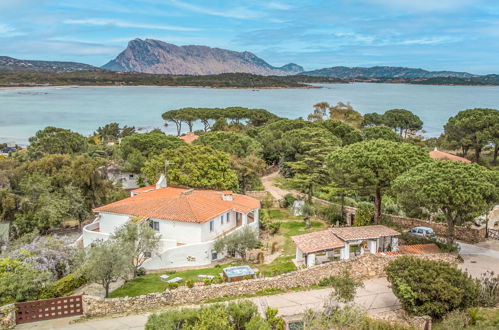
(478, 260)
(376, 297)
(269, 185)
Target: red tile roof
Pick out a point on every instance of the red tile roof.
(317, 241)
(431, 248)
(363, 232)
(189, 137)
(180, 204)
(440, 155)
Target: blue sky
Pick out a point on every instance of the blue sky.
(461, 35)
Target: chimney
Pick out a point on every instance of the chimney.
(227, 195)
(161, 182)
(436, 149)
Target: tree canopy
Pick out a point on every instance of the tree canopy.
(194, 166)
(473, 128)
(346, 133)
(113, 132)
(345, 113)
(374, 164)
(459, 190)
(381, 132)
(402, 120)
(53, 140)
(137, 148)
(237, 144)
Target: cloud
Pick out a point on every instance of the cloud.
(118, 23)
(9, 31)
(278, 6)
(240, 12)
(423, 5)
(58, 47)
(429, 41)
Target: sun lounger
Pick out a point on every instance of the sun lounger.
(164, 278)
(175, 280)
(206, 276)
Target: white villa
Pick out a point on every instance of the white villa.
(321, 246)
(188, 221)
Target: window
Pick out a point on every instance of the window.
(212, 225)
(154, 225)
(214, 255)
(130, 176)
(147, 254)
(228, 216)
(222, 219)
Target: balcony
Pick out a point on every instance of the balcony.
(91, 233)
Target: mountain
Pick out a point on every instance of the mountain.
(344, 72)
(10, 63)
(154, 56)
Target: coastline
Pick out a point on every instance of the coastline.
(161, 86)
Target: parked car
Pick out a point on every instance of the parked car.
(422, 231)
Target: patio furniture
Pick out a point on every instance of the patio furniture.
(164, 278)
(175, 280)
(206, 276)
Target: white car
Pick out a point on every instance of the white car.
(425, 232)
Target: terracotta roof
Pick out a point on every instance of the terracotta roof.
(431, 248)
(440, 155)
(180, 204)
(363, 232)
(189, 137)
(317, 241)
(143, 189)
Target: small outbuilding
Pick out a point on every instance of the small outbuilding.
(373, 239)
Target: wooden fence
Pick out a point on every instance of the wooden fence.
(47, 309)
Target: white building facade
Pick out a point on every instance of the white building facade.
(188, 222)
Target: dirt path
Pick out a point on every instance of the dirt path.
(270, 186)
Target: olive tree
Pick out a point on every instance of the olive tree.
(460, 191)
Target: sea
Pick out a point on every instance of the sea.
(84, 109)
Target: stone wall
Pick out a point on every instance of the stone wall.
(7, 316)
(365, 267)
(465, 234)
(470, 235)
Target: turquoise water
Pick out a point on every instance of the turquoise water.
(23, 112)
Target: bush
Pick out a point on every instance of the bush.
(241, 315)
(189, 283)
(457, 319)
(141, 271)
(344, 286)
(289, 200)
(364, 215)
(275, 322)
(207, 281)
(427, 287)
(63, 287)
(274, 227)
(172, 286)
(217, 280)
(489, 289)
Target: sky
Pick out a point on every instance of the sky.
(458, 35)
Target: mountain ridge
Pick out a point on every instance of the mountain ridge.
(155, 56)
(10, 63)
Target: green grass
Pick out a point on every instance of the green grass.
(152, 282)
(280, 265)
(293, 228)
(278, 214)
(284, 183)
(485, 319)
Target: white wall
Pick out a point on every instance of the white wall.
(89, 236)
(219, 228)
(182, 232)
(110, 221)
(198, 254)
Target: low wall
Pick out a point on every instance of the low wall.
(470, 235)
(365, 267)
(7, 316)
(465, 234)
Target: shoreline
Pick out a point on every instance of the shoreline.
(151, 86)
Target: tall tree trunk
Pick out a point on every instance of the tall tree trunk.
(190, 123)
(496, 151)
(106, 287)
(450, 229)
(343, 206)
(464, 151)
(377, 206)
(477, 154)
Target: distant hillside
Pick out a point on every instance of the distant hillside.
(154, 56)
(344, 72)
(9, 63)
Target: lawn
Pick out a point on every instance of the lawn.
(152, 282)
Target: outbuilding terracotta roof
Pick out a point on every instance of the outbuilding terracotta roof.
(189, 137)
(440, 155)
(317, 241)
(180, 204)
(363, 232)
(431, 248)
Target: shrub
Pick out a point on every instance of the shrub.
(489, 289)
(364, 215)
(172, 286)
(207, 281)
(189, 283)
(344, 286)
(427, 287)
(63, 287)
(141, 271)
(235, 315)
(275, 322)
(289, 199)
(457, 319)
(274, 227)
(217, 280)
